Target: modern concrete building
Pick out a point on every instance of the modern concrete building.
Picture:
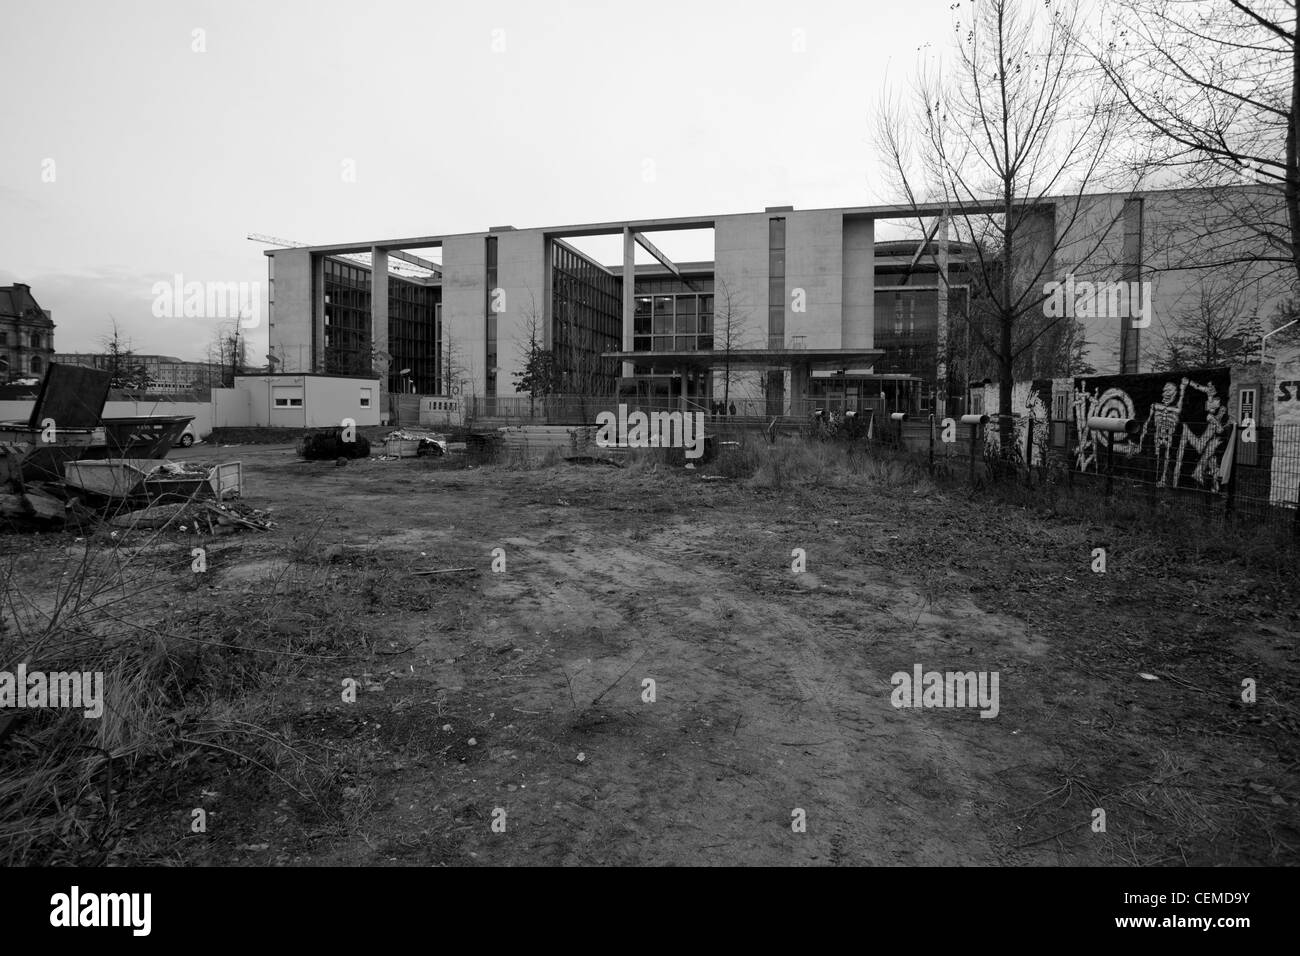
(26, 335)
(796, 308)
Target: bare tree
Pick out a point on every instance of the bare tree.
(125, 370)
(1215, 330)
(1017, 122)
(731, 333)
(537, 373)
(1215, 88)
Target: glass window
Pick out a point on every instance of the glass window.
(776, 292)
(685, 323)
(685, 342)
(641, 343)
(776, 233)
(686, 304)
(776, 263)
(663, 323)
(706, 342)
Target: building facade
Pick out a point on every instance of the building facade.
(26, 335)
(796, 307)
(164, 374)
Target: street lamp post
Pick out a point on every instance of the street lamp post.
(1263, 342)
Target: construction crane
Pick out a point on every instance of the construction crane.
(405, 264)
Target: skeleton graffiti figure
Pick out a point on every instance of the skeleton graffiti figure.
(1165, 416)
(1083, 407)
(1207, 443)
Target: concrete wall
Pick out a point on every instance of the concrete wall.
(740, 246)
(289, 333)
(1175, 227)
(231, 407)
(814, 263)
(858, 326)
(464, 262)
(522, 275)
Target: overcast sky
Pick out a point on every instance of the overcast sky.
(453, 117)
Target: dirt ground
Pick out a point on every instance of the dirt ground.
(518, 697)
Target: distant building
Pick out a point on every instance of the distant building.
(166, 374)
(26, 335)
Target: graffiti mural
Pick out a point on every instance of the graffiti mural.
(1184, 426)
(1030, 401)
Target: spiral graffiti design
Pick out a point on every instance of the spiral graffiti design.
(1112, 403)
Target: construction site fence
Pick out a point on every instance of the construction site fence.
(1213, 469)
(583, 409)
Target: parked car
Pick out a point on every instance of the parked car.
(187, 437)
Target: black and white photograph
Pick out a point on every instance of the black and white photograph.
(594, 434)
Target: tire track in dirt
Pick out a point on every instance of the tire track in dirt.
(820, 733)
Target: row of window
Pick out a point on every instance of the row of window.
(14, 339)
(34, 365)
(291, 396)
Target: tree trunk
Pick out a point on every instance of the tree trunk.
(1292, 174)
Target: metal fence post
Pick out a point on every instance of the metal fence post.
(1230, 491)
(975, 422)
(932, 444)
(1029, 451)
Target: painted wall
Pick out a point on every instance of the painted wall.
(1185, 420)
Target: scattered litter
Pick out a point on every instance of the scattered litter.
(1148, 676)
(448, 571)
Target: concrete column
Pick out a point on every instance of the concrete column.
(379, 321)
(941, 339)
(800, 374)
(629, 294)
(316, 361)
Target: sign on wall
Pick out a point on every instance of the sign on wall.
(1285, 471)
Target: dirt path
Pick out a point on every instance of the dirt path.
(522, 691)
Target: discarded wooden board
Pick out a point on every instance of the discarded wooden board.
(45, 507)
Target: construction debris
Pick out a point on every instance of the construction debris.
(448, 571)
(404, 443)
(195, 516)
